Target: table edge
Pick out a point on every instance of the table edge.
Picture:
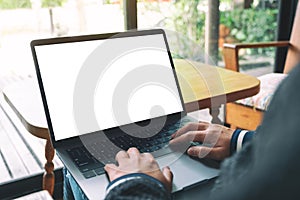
(40, 132)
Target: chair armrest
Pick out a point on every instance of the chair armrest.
(231, 51)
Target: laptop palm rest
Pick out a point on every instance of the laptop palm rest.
(186, 172)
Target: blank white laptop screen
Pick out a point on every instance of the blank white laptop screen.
(60, 66)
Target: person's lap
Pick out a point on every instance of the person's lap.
(73, 191)
(71, 188)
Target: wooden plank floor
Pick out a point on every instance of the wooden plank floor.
(21, 154)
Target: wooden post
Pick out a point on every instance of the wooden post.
(212, 31)
(214, 112)
(211, 44)
(130, 14)
(48, 179)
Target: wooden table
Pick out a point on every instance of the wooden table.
(205, 86)
(202, 86)
(25, 100)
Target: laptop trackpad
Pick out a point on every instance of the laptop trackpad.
(188, 171)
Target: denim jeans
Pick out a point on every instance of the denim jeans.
(72, 191)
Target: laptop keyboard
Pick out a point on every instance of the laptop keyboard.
(87, 164)
(89, 161)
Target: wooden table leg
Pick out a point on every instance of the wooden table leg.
(214, 112)
(48, 178)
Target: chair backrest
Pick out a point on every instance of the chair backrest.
(293, 55)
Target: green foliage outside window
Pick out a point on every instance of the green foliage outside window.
(52, 3)
(13, 4)
(246, 25)
(187, 20)
(251, 25)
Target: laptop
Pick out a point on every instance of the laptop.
(109, 92)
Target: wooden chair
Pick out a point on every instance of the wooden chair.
(248, 116)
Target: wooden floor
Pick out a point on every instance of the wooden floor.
(21, 154)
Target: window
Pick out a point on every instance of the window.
(239, 21)
(24, 20)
